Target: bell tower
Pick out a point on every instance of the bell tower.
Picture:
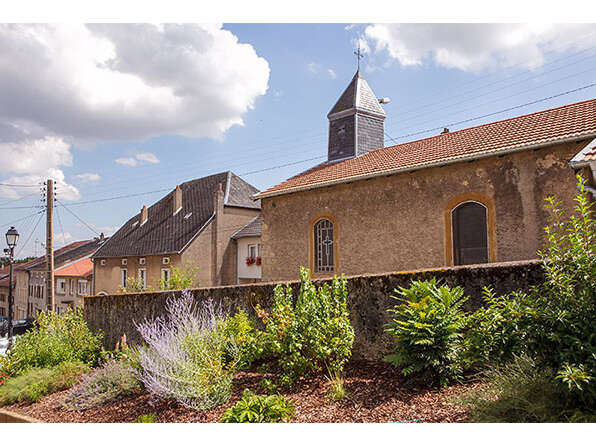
(356, 121)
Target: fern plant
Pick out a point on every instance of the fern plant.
(427, 330)
(257, 408)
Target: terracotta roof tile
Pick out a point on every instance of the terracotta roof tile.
(83, 267)
(546, 126)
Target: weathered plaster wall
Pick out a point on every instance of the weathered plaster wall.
(107, 277)
(368, 301)
(397, 222)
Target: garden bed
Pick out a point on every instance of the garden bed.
(375, 393)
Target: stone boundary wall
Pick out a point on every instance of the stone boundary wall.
(369, 297)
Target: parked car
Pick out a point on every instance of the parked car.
(19, 327)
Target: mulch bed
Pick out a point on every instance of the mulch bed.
(375, 393)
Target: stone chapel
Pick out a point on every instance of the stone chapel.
(470, 196)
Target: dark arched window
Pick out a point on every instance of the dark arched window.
(470, 234)
(324, 245)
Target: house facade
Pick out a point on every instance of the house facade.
(72, 283)
(31, 278)
(189, 228)
(471, 196)
(248, 252)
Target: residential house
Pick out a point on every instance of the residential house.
(188, 228)
(248, 252)
(470, 196)
(31, 277)
(73, 282)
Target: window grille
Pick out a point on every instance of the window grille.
(324, 245)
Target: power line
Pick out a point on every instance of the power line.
(30, 234)
(22, 218)
(80, 220)
(501, 111)
(19, 186)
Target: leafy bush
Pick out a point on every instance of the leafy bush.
(239, 328)
(181, 279)
(188, 357)
(521, 391)
(259, 408)
(114, 381)
(313, 334)
(564, 316)
(56, 339)
(32, 385)
(148, 418)
(428, 328)
(498, 331)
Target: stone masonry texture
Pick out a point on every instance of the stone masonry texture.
(369, 297)
(397, 222)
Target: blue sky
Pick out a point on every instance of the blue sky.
(435, 76)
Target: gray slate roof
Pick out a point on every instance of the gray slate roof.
(251, 229)
(165, 233)
(358, 95)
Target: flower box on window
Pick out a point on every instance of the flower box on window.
(258, 260)
(250, 261)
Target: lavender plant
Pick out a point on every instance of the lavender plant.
(188, 357)
(114, 381)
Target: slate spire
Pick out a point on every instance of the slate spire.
(356, 121)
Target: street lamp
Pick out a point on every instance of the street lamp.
(12, 236)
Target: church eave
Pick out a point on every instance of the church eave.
(353, 111)
(419, 166)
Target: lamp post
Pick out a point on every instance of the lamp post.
(12, 236)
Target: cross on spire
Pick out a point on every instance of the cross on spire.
(359, 54)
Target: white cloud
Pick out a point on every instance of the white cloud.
(63, 237)
(127, 161)
(475, 47)
(148, 157)
(138, 159)
(33, 162)
(88, 177)
(82, 84)
(317, 69)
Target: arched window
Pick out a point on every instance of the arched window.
(470, 233)
(324, 246)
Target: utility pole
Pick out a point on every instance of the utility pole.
(51, 303)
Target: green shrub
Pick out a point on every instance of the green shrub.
(498, 331)
(148, 418)
(239, 328)
(521, 391)
(55, 340)
(259, 408)
(32, 385)
(113, 381)
(564, 316)
(312, 335)
(427, 329)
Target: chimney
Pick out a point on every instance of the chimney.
(143, 215)
(101, 237)
(445, 130)
(177, 200)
